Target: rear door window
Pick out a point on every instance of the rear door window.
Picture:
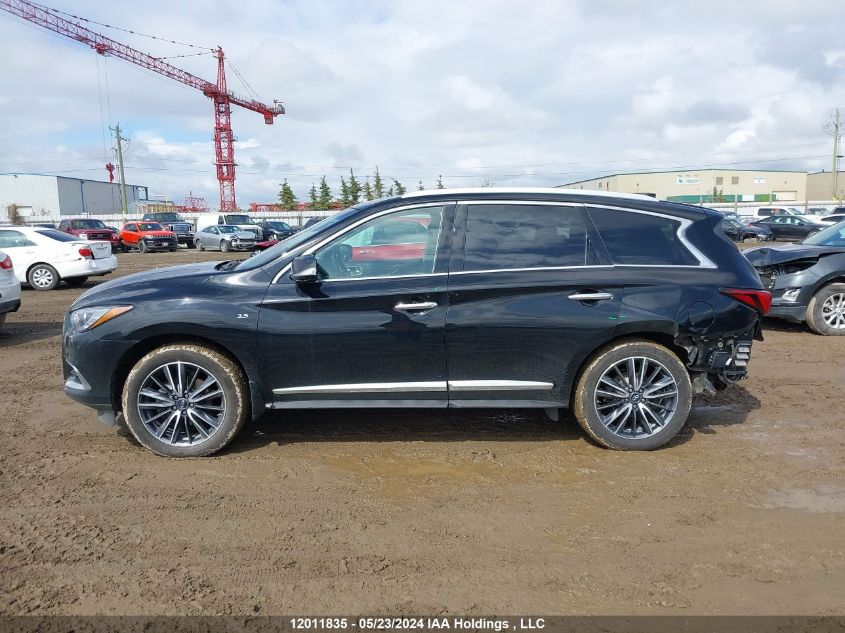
(509, 236)
(641, 239)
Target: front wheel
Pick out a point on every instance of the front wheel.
(826, 311)
(199, 246)
(634, 395)
(142, 246)
(224, 246)
(43, 277)
(185, 400)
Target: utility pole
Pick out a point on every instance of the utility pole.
(123, 205)
(832, 128)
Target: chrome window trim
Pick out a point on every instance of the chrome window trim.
(346, 229)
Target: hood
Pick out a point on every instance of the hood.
(771, 255)
(139, 284)
(157, 233)
(243, 235)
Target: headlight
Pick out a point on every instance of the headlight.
(88, 318)
(791, 295)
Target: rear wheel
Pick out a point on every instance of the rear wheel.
(634, 395)
(826, 311)
(43, 277)
(75, 282)
(185, 401)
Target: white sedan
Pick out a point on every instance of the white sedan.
(10, 287)
(44, 257)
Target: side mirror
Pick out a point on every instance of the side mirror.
(303, 269)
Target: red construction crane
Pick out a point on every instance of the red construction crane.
(218, 93)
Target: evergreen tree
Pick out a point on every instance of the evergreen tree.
(354, 189)
(325, 199)
(368, 191)
(378, 185)
(287, 197)
(439, 184)
(315, 201)
(390, 192)
(398, 188)
(344, 193)
(420, 186)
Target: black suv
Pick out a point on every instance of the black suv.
(174, 223)
(617, 307)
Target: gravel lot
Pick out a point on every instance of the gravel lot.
(426, 512)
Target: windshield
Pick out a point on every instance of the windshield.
(237, 219)
(168, 217)
(59, 236)
(279, 226)
(87, 224)
(223, 228)
(831, 236)
(298, 239)
(149, 226)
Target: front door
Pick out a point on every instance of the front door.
(526, 300)
(370, 331)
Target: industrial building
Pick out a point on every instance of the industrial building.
(699, 186)
(820, 186)
(41, 197)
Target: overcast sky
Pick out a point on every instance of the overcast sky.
(521, 93)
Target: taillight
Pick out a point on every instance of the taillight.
(6, 264)
(87, 253)
(760, 300)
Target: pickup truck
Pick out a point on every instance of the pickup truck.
(175, 223)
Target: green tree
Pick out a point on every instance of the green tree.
(390, 192)
(325, 199)
(312, 194)
(420, 186)
(398, 188)
(354, 188)
(368, 191)
(344, 193)
(378, 185)
(287, 197)
(439, 184)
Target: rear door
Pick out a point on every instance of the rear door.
(529, 295)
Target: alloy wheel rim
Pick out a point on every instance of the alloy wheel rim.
(636, 398)
(181, 404)
(42, 277)
(833, 311)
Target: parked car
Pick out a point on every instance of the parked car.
(89, 229)
(147, 237)
(241, 221)
(807, 280)
(44, 257)
(225, 238)
(739, 231)
(275, 230)
(311, 222)
(618, 306)
(43, 225)
(789, 227)
(10, 287)
(175, 223)
(833, 218)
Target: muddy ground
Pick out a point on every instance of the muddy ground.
(462, 512)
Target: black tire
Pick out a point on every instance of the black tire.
(75, 282)
(122, 247)
(584, 399)
(232, 383)
(812, 233)
(142, 247)
(199, 246)
(816, 308)
(42, 277)
(224, 246)
(172, 250)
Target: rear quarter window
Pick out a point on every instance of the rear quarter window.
(641, 239)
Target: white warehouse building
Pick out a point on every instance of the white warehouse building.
(42, 198)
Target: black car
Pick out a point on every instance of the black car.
(789, 227)
(276, 230)
(618, 307)
(807, 280)
(739, 231)
(175, 223)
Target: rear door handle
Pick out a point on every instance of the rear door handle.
(411, 307)
(591, 296)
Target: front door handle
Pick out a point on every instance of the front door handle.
(411, 307)
(591, 296)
